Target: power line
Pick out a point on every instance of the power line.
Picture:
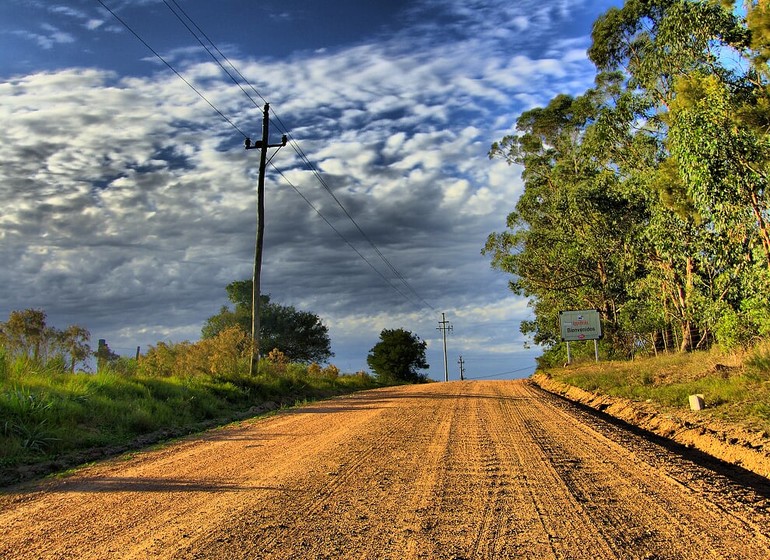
(241, 76)
(164, 61)
(367, 261)
(236, 82)
(298, 150)
(390, 265)
(502, 373)
(303, 157)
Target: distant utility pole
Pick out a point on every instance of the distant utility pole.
(263, 146)
(444, 326)
(462, 368)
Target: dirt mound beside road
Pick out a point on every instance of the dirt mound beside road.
(461, 470)
(749, 450)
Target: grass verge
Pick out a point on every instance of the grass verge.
(736, 386)
(51, 421)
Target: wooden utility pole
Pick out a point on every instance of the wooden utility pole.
(462, 368)
(255, 279)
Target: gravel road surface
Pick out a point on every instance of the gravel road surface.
(459, 470)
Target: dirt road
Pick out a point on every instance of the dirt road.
(464, 470)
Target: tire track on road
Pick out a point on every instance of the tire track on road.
(621, 490)
(444, 471)
(560, 521)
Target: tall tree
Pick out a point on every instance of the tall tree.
(27, 333)
(665, 164)
(73, 341)
(398, 356)
(300, 335)
(700, 72)
(568, 240)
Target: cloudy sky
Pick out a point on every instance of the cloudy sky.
(128, 199)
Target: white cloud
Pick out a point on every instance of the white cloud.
(49, 38)
(130, 198)
(67, 11)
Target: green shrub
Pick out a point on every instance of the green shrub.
(330, 372)
(123, 366)
(27, 419)
(161, 359)
(56, 365)
(732, 329)
(48, 412)
(758, 359)
(5, 366)
(140, 420)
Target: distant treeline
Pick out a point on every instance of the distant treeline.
(646, 197)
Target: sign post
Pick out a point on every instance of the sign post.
(580, 325)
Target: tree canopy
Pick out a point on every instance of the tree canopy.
(646, 196)
(300, 335)
(27, 334)
(398, 356)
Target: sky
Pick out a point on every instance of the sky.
(128, 201)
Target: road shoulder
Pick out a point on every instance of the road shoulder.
(732, 444)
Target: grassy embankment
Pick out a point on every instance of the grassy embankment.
(51, 420)
(736, 385)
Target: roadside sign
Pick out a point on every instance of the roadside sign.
(580, 325)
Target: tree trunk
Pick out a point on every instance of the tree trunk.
(763, 230)
(686, 345)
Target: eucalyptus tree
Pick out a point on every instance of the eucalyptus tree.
(570, 240)
(74, 344)
(700, 69)
(646, 197)
(27, 334)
